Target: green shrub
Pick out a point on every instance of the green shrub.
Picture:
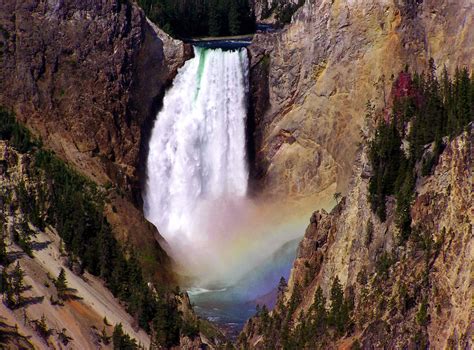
(384, 262)
(18, 136)
(422, 316)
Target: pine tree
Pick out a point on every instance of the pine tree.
(295, 299)
(43, 328)
(319, 312)
(214, 25)
(433, 121)
(447, 98)
(285, 335)
(385, 156)
(61, 284)
(3, 245)
(339, 313)
(122, 341)
(465, 109)
(282, 286)
(234, 19)
(18, 284)
(106, 249)
(9, 292)
(422, 316)
(404, 200)
(302, 333)
(166, 324)
(4, 281)
(22, 236)
(265, 317)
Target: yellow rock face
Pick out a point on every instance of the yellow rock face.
(326, 65)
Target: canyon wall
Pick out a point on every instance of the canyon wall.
(402, 296)
(311, 81)
(87, 77)
(310, 85)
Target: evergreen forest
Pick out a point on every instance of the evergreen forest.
(426, 112)
(197, 18)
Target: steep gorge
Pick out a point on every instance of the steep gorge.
(88, 78)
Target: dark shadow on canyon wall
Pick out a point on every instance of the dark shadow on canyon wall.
(258, 105)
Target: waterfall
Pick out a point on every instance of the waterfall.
(197, 151)
(235, 248)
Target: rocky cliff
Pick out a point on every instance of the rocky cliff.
(85, 315)
(87, 77)
(311, 81)
(77, 320)
(410, 296)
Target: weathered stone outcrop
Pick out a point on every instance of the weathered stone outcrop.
(388, 283)
(311, 81)
(87, 77)
(264, 10)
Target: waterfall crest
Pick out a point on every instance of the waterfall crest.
(197, 150)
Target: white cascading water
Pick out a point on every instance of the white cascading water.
(197, 151)
(236, 248)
